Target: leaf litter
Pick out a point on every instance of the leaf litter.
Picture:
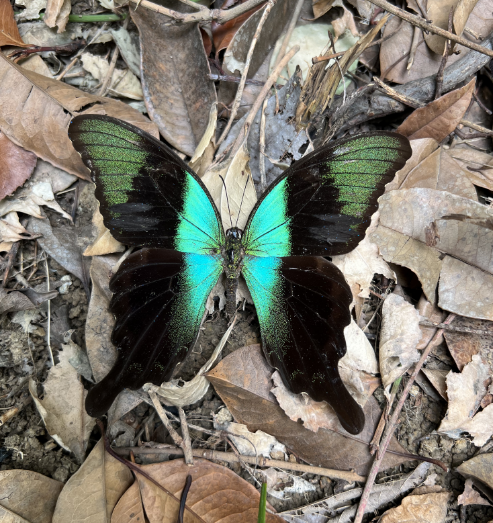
(432, 237)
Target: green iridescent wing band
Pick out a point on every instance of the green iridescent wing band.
(322, 205)
(148, 196)
(158, 302)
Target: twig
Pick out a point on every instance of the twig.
(109, 74)
(237, 80)
(317, 59)
(427, 26)
(230, 457)
(7, 416)
(446, 54)
(48, 328)
(289, 31)
(10, 262)
(393, 422)
(481, 104)
(412, 102)
(465, 330)
(205, 15)
(164, 418)
(243, 134)
(244, 74)
(261, 162)
(187, 445)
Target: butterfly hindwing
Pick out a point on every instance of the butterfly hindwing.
(303, 307)
(322, 205)
(158, 302)
(148, 196)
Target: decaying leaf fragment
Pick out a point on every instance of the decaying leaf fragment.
(480, 467)
(465, 392)
(57, 13)
(9, 33)
(62, 407)
(423, 508)
(440, 117)
(471, 496)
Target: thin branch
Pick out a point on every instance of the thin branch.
(427, 26)
(244, 74)
(393, 422)
(289, 31)
(187, 445)
(230, 457)
(261, 162)
(205, 15)
(164, 418)
(237, 80)
(243, 134)
(446, 53)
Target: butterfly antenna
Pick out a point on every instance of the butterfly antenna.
(227, 200)
(241, 203)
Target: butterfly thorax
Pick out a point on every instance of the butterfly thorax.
(233, 255)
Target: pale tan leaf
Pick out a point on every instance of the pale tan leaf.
(424, 508)
(16, 167)
(399, 248)
(440, 117)
(93, 491)
(438, 12)
(208, 137)
(28, 495)
(398, 340)
(11, 230)
(465, 290)
(62, 407)
(438, 379)
(57, 13)
(35, 112)
(463, 10)
(480, 467)
(104, 242)
(465, 392)
(471, 496)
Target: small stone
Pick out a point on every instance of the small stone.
(61, 474)
(277, 454)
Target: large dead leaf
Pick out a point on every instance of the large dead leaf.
(62, 407)
(35, 112)
(438, 118)
(178, 97)
(424, 508)
(465, 392)
(463, 345)
(243, 380)
(16, 167)
(9, 33)
(399, 338)
(29, 495)
(129, 509)
(93, 491)
(480, 467)
(216, 494)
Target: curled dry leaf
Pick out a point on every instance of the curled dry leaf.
(424, 508)
(440, 117)
(471, 496)
(438, 379)
(9, 33)
(16, 167)
(27, 495)
(57, 13)
(180, 111)
(398, 340)
(94, 490)
(243, 381)
(11, 230)
(35, 112)
(465, 392)
(216, 494)
(62, 407)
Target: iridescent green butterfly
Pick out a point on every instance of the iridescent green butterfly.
(321, 206)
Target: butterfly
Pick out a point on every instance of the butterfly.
(320, 206)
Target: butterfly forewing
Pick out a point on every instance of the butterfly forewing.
(322, 205)
(158, 302)
(148, 196)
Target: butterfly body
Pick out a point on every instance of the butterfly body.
(321, 206)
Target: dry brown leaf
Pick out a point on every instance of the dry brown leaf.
(465, 392)
(16, 167)
(243, 380)
(27, 495)
(180, 112)
(480, 468)
(57, 13)
(398, 340)
(428, 311)
(441, 172)
(129, 508)
(93, 491)
(477, 165)
(465, 290)
(471, 496)
(14, 301)
(11, 230)
(104, 242)
(438, 379)
(236, 191)
(463, 345)
(424, 508)
(62, 407)
(216, 494)
(438, 118)
(35, 112)
(9, 33)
